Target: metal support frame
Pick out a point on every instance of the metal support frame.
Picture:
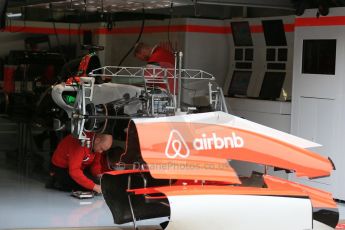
(84, 96)
(180, 55)
(153, 72)
(224, 108)
(130, 203)
(156, 76)
(149, 76)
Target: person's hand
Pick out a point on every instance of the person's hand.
(97, 188)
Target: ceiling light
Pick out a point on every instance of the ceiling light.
(14, 15)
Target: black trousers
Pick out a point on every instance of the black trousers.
(63, 181)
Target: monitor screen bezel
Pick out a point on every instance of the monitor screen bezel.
(242, 92)
(241, 33)
(266, 91)
(274, 32)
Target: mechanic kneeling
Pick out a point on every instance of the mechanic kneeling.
(71, 162)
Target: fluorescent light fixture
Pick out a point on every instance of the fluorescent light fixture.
(14, 15)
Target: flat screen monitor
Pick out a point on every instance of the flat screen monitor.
(272, 85)
(241, 34)
(319, 56)
(282, 54)
(274, 32)
(238, 54)
(239, 83)
(270, 54)
(249, 54)
(3, 8)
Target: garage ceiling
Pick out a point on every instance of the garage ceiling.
(103, 5)
(148, 4)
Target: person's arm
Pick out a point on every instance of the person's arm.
(96, 167)
(96, 170)
(75, 167)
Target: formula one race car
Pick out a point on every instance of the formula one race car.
(180, 143)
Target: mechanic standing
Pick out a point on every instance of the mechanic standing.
(75, 167)
(158, 56)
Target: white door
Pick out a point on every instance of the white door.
(318, 96)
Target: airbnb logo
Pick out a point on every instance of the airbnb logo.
(176, 146)
(214, 142)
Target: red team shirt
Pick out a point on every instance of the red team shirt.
(165, 59)
(162, 57)
(70, 154)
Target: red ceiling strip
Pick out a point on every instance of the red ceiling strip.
(187, 28)
(147, 29)
(42, 30)
(289, 27)
(209, 29)
(135, 30)
(321, 21)
(260, 28)
(174, 28)
(256, 29)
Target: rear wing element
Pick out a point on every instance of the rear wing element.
(199, 146)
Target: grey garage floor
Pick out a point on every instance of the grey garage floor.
(26, 203)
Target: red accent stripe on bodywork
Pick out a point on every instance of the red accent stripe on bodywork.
(225, 190)
(121, 172)
(340, 226)
(275, 187)
(192, 190)
(319, 198)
